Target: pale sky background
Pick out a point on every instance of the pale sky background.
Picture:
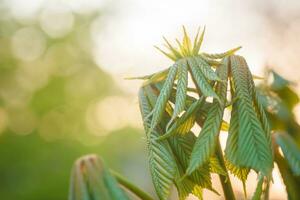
(268, 31)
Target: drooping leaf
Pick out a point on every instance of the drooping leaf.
(240, 172)
(231, 149)
(258, 105)
(225, 126)
(215, 166)
(182, 147)
(200, 80)
(254, 150)
(163, 97)
(186, 126)
(182, 119)
(221, 55)
(181, 91)
(161, 161)
(162, 73)
(205, 145)
(156, 77)
(291, 151)
(212, 62)
(187, 187)
(206, 69)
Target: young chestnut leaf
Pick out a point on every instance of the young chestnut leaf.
(161, 161)
(163, 98)
(200, 81)
(181, 148)
(222, 55)
(181, 91)
(206, 69)
(204, 147)
(231, 150)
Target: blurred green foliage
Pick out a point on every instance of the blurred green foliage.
(50, 90)
(48, 81)
(33, 169)
(280, 100)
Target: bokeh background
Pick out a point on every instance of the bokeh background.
(62, 87)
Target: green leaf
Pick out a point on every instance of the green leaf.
(205, 145)
(162, 163)
(231, 150)
(181, 89)
(186, 126)
(211, 62)
(175, 52)
(254, 150)
(91, 180)
(221, 55)
(195, 42)
(187, 187)
(184, 118)
(259, 108)
(291, 151)
(225, 126)
(215, 166)
(182, 148)
(163, 97)
(206, 69)
(181, 48)
(240, 172)
(197, 45)
(200, 80)
(156, 77)
(186, 43)
(171, 56)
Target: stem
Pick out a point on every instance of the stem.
(131, 187)
(266, 193)
(225, 180)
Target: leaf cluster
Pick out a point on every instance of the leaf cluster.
(182, 109)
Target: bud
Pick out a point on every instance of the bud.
(91, 180)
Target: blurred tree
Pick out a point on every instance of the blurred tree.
(48, 82)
